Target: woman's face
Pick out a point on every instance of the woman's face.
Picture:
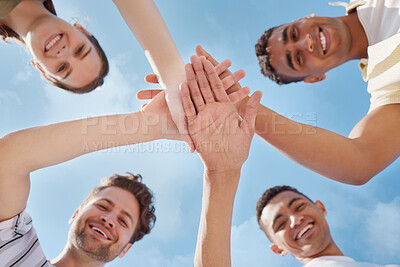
(63, 51)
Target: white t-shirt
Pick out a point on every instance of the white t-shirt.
(381, 22)
(341, 261)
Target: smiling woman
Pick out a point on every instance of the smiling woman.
(66, 55)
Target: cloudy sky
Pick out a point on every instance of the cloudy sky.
(364, 220)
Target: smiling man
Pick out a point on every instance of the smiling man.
(297, 226)
(308, 47)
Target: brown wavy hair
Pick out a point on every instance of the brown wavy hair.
(133, 184)
(8, 33)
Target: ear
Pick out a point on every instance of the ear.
(277, 250)
(306, 17)
(80, 28)
(321, 207)
(315, 78)
(73, 216)
(125, 250)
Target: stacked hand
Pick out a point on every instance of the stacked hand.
(222, 137)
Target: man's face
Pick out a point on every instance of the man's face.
(103, 228)
(309, 47)
(296, 226)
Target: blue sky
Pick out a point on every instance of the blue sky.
(364, 220)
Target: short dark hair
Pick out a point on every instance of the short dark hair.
(269, 194)
(262, 53)
(133, 184)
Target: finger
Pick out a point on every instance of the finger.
(230, 80)
(201, 52)
(187, 103)
(239, 94)
(215, 82)
(151, 78)
(147, 94)
(202, 80)
(251, 109)
(194, 89)
(223, 66)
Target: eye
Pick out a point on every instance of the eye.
(123, 223)
(298, 58)
(293, 34)
(280, 226)
(299, 207)
(62, 68)
(101, 207)
(79, 50)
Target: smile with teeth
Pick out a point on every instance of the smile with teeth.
(53, 42)
(304, 230)
(100, 232)
(323, 41)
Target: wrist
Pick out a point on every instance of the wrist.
(150, 125)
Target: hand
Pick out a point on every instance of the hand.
(228, 81)
(235, 87)
(156, 112)
(222, 138)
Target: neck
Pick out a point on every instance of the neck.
(359, 40)
(71, 256)
(25, 15)
(331, 250)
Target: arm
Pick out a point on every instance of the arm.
(223, 142)
(31, 149)
(372, 145)
(149, 28)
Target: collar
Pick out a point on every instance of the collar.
(351, 6)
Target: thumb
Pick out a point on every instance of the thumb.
(251, 109)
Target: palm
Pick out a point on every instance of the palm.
(157, 108)
(220, 139)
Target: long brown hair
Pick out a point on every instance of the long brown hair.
(6, 32)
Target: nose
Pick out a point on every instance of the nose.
(307, 43)
(107, 219)
(63, 51)
(295, 220)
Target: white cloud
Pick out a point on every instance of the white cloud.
(382, 230)
(117, 95)
(9, 96)
(250, 247)
(25, 75)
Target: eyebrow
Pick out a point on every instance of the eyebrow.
(81, 58)
(285, 35)
(275, 219)
(289, 60)
(292, 201)
(123, 211)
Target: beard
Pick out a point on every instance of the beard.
(95, 250)
(91, 246)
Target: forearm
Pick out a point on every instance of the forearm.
(149, 28)
(213, 241)
(31, 149)
(327, 153)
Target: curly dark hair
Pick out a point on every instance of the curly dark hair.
(6, 33)
(133, 184)
(269, 194)
(262, 53)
